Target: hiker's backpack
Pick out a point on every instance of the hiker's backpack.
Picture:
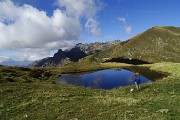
(137, 79)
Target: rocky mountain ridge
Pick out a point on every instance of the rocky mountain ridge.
(74, 54)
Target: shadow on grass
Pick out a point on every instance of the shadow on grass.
(128, 61)
(145, 71)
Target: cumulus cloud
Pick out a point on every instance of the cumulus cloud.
(122, 19)
(127, 27)
(92, 26)
(80, 8)
(3, 58)
(28, 55)
(32, 55)
(26, 27)
(84, 8)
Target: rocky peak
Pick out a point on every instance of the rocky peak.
(74, 54)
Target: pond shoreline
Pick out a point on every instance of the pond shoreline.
(142, 70)
(102, 79)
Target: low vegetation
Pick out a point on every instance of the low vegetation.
(157, 44)
(25, 75)
(30, 94)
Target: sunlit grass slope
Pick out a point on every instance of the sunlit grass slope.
(157, 44)
(43, 100)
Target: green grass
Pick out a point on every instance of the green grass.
(44, 100)
(157, 44)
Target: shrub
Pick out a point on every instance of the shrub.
(23, 69)
(7, 70)
(36, 73)
(10, 80)
(47, 74)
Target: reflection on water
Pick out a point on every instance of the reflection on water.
(104, 79)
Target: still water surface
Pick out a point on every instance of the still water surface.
(104, 79)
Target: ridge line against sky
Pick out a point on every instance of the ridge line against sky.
(33, 29)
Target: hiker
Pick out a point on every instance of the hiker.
(137, 81)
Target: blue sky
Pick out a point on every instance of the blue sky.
(33, 29)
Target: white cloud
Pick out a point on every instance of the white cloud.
(26, 27)
(3, 58)
(122, 19)
(81, 8)
(32, 55)
(28, 55)
(128, 29)
(84, 8)
(92, 26)
(32, 28)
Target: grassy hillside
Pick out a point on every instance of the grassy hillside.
(158, 44)
(44, 100)
(26, 75)
(31, 94)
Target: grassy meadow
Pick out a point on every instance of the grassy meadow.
(31, 94)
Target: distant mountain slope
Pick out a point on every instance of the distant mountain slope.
(74, 54)
(157, 44)
(92, 48)
(11, 62)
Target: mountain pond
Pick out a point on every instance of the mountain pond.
(103, 79)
